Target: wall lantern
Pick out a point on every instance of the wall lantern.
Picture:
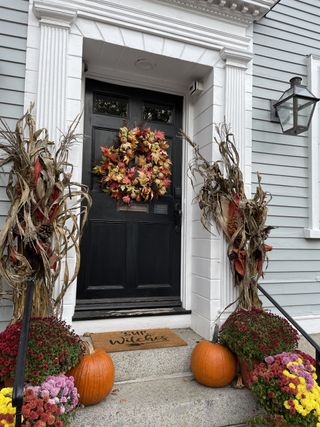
(295, 108)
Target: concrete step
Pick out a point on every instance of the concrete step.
(174, 402)
(155, 363)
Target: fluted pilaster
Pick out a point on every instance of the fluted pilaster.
(52, 80)
(235, 97)
(52, 73)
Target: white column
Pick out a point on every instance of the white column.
(236, 114)
(52, 74)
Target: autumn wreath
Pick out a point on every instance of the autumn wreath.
(136, 167)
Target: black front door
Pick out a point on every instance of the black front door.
(130, 256)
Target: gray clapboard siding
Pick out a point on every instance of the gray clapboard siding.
(282, 41)
(281, 24)
(289, 276)
(298, 310)
(292, 254)
(10, 67)
(13, 38)
(279, 139)
(285, 245)
(276, 159)
(285, 201)
(278, 149)
(294, 182)
(263, 64)
(12, 55)
(273, 170)
(16, 5)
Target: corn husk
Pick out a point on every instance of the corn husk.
(223, 202)
(43, 223)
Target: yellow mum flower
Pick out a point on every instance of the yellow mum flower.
(6, 405)
(301, 388)
(286, 405)
(287, 374)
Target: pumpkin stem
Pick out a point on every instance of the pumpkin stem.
(87, 347)
(215, 333)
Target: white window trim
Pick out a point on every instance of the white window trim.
(313, 230)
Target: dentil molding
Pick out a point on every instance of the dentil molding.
(238, 10)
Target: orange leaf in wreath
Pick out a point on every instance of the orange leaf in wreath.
(111, 156)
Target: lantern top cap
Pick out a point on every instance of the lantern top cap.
(295, 81)
(296, 89)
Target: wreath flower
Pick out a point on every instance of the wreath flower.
(136, 167)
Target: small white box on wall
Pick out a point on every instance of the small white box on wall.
(195, 88)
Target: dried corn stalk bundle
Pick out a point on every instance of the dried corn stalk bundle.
(222, 201)
(42, 225)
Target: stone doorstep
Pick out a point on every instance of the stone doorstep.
(174, 402)
(155, 363)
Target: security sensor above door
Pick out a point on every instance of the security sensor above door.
(195, 88)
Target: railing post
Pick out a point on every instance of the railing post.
(18, 387)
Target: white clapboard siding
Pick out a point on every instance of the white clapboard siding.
(13, 38)
(282, 41)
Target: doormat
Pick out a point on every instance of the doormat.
(140, 339)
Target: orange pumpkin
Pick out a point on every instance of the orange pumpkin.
(213, 364)
(93, 376)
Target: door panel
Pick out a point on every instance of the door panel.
(152, 271)
(104, 275)
(130, 253)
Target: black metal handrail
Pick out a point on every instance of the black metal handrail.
(298, 327)
(18, 387)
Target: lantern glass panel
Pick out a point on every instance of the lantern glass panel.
(305, 108)
(289, 92)
(285, 114)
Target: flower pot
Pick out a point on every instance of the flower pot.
(245, 369)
